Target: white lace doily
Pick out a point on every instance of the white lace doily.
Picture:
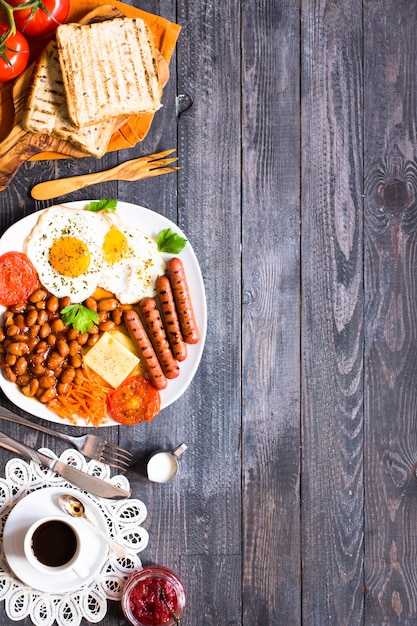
(123, 518)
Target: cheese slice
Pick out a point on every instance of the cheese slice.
(110, 359)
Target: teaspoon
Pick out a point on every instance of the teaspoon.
(75, 508)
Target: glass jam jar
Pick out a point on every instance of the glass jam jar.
(149, 594)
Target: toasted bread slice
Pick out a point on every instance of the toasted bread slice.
(109, 69)
(46, 108)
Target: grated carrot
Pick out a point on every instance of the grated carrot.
(86, 399)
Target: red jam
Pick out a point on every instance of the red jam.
(147, 594)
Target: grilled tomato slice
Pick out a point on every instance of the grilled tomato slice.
(135, 400)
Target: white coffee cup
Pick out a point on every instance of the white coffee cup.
(53, 545)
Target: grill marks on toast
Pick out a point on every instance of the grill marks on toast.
(121, 75)
(46, 108)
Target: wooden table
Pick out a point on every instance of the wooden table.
(297, 499)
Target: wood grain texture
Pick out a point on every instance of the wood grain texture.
(295, 128)
(332, 312)
(271, 320)
(390, 339)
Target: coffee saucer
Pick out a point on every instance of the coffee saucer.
(42, 503)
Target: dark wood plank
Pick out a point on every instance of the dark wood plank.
(391, 317)
(208, 204)
(332, 416)
(271, 322)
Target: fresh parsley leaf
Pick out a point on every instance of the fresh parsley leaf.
(80, 317)
(170, 242)
(102, 205)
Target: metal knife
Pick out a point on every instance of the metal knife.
(76, 477)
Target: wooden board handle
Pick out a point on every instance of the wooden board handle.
(17, 148)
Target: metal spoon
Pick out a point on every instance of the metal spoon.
(74, 507)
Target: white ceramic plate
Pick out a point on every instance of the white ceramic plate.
(42, 503)
(151, 223)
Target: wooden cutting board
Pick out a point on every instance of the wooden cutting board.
(20, 145)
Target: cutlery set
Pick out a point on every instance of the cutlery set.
(90, 445)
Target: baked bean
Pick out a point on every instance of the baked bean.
(21, 365)
(44, 330)
(33, 331)
(35, 359)
(21, 337)
(62, 388)
(37, 296)
(51, 340)
(37, 370)
(92, 340)
(52, 315)
(117, 316)
(62, 347)
(91, 304)
(52, 304)
(31, 317)
(32, 343)
(11, 359)
(39, 391)
(57, 373)
(74, 347)
(41, 349)
(107, 304)
(103, 316)
(63, 302)
(12, 330)
(108, 325)
(47, 381)
(54, 361)
(67, 375)
(83, 338)
(76, 360)
(19, 307)
(18, 349)
(30, 389)
(9, 374)
(47, 395)
(2, 335)
(42, 317)
(22, 380)
(58, 326)
(93, 330)
(41, 306)
(20, 322)
(73, 333)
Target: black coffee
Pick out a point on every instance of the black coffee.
(54, 543)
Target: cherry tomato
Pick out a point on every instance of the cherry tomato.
(43, 18)
(18, 278)
(14, 54)
(135, 400)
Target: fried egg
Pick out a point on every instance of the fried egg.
(66, 248)
(131, 263)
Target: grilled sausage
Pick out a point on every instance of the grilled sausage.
(170, 318)
(156, 333)
(146, 352)
(183, 302)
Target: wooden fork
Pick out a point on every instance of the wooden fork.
(136, 169)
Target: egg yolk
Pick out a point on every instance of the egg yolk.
(69, 256)
(115, 246)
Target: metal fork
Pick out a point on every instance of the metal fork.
(90, 445)
(136, 169)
